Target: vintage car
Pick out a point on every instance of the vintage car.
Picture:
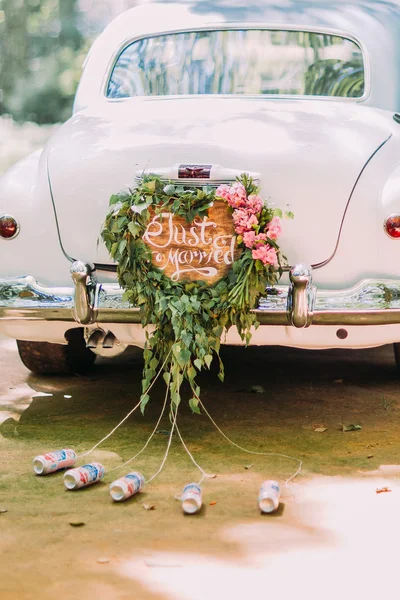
(303, 95)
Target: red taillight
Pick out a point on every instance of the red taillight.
(9, 227)
(392, 226)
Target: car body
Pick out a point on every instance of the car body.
(322, 139)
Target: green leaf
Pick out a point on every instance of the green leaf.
(351, 427)
(169, 190)
(289, 215)
(208, 360)
(198, 364)
(185, 356)
(122, 245)
(114, 199)
(134, 228)
(194, 405)
(150, 185)
(143, 402)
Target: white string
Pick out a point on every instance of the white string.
(168, 446)
(205, 475)
(148, 441)
(287, 481)
(129, 413)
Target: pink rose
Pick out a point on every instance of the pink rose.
(254, 203)
(237, 196)
(271, 256)
(249, 238)
(243, 221)
(223, 191)
(266, 254)
(274, 228)
(261, 237)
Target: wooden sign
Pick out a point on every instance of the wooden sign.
(203, 250)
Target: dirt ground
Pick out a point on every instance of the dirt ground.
(333, 534)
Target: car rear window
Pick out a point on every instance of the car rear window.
(245, 61)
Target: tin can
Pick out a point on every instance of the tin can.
(83, 476)
(54, 461)
(127, 486)
(191, 498)
(269, 496)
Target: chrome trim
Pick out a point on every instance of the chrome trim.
(94, 337)
(251, 25)
(300, 300)
(85, 292)
(8, 216)
(109, 340)
(384, 225)
(226, 176)
(370, 302)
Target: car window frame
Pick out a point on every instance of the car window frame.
(226, 26)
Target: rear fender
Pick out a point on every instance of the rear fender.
(25, 194)
(364, 249)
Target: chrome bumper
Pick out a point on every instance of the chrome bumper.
(301, 304)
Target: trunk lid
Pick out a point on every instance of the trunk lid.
(307, 153)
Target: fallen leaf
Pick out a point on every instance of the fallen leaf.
(213, 503)
(338, 381)
(381, 490)
(320, 429)
(103, 560)
(77, 523)
(257, 389)
(248, 466)
(149, 506)
(3, 510)
(370, 456)
(351, 427)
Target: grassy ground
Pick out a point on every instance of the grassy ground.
(302, 391)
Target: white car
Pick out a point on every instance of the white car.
(301, 95)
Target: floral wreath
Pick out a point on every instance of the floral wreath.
(189, 317)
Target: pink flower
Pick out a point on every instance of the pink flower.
(261, 237)
(243, 221)
(237, 195)
(254, 203)
(274, 228)
(266, 254)
(249, 238)
(223, 191)
(234, 194)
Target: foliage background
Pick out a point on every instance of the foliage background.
(43, 44)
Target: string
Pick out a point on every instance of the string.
(205, 475)
(168, 445)
(287, 481)
(129, 413)
(148, 441)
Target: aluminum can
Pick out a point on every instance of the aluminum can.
(54, 461)
(83, 476)
(191, 498)
(269, 496)
(127, 486)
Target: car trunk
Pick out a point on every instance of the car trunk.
(307, 153)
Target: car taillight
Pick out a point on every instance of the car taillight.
(9, 227)
(392, 226)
